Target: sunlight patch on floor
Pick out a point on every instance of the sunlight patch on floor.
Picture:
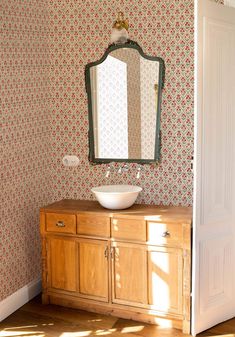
(76, 334)
(130, 329)
(46, 324)
(22, 327)
(227, 335)
(94, 320)
(103, 332)
(13, 333)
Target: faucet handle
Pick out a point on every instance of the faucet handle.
(107, 174)
(139, 171)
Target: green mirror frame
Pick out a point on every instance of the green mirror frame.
(112, 47)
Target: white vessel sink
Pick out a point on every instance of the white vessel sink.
(116, 196)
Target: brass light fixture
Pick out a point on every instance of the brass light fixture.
(120, 29)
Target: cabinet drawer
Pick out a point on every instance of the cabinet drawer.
(93, 225)
(129, 229)
(61, 223)
(165, 233)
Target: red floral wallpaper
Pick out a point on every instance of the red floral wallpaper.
(79, 33)
(44, 48)
(45, 45)
(24, 140)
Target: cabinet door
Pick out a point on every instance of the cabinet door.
(62, 256)
(165, 279)
(93, 269)
(129, 274)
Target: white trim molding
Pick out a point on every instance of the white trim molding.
(19, 298)
(230, 3)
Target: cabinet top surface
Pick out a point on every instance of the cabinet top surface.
(146, 212)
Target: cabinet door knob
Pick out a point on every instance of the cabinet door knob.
(60, 224)
(166, 234)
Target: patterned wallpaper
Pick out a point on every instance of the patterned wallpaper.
(44, 48)
(79, 34)
(24, 140)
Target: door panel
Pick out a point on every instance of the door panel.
(129, 274)
(93, 269)
(62, 263)
(214, 219)
(216, 265)
(165, 279)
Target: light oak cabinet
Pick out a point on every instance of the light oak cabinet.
(165, 279)
(133, 263)
(62, 263)
(129, 274)
(93, 269)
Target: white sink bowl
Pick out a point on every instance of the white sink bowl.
(116, 196)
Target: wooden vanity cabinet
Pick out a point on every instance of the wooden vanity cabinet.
(62, 253)
(93, 269)
(165, 279)
(129, 274)
(132, 263)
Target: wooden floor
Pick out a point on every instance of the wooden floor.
(35, 319)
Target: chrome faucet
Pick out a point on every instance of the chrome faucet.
(119, 170)
(123, 168)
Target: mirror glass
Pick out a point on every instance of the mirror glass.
(124, 92)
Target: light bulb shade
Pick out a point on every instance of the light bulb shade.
(119, 36)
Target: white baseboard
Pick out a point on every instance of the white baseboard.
(19, 298)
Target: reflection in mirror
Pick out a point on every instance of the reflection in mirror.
(125, 107)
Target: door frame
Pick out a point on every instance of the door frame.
(201, 6)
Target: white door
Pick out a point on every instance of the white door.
(213, 289)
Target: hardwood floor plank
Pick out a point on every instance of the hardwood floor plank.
(71, 315)
(35, 319)
(29, 323)
(146, 330)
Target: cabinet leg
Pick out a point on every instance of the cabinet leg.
(45, 299)
(186, 327)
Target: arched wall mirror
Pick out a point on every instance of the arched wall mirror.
(124, 91)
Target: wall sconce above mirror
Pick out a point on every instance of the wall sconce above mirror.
(120, 29)
(124, 91)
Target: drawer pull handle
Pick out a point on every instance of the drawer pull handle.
(60, 224)
(106, 252)
(112, 253)
(166, 234)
